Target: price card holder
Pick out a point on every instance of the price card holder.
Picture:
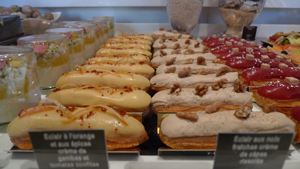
(83, 149)
(249, 33)
(255, 151)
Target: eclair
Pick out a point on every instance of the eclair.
(117, 80)
(130, 99)
(196, 99)
(164, 52)
(175, 44)
(121, 130)
(166, 81)
(179, 59)
(138, 68)
(199, 130)
(169, 34)
(123, 51)
(121, 59)
(136, 45)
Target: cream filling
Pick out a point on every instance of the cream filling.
(103, 79)
(121, 60)
(136, 99)
(188, 98)
(89, 50)
(135, 68)
(181, 58)
(169, 51)
(120, 51)
(171, 34)
(51, 120)
(12, 105)
(225, 121)
(49, 75)
(212, 67)
(170, 44)
(167, 80)
(77, 59)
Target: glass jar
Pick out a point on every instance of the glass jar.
(52, 55)
(75, 42)
(99, 31)
(184, 15)
(19, 87)
(239, 13)
(89, 36)
(106, 25)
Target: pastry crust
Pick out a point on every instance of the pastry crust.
(121, 130)
(121, 59)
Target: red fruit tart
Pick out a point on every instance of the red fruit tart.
(295, 116)
(239, 64)
(279, 96)
(210, 38)
(227, 48)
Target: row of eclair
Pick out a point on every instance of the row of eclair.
(97, 95)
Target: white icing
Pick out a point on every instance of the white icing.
(169, 51)
(124, 51)
(121, 60)
(180, 58)
(188, 98)
(212, 67)
(167, 80)
(170, 44)
(225, 121)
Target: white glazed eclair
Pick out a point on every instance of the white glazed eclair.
(129, 98)
(117, 80)
(169, 34)
(123, 51)
(121, 130)
(181, 58)
(138, 68)
(187, 99)
(166, 81)
(180, 132)
(128, 39)
(121, 59)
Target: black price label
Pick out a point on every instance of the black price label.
(70, 149)
(255, 151)
(249, 33)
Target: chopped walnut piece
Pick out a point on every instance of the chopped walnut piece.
(201, 60)
(197, 45)
(162, 53)
(188, 61)
(270, 107)
(185, 47)
(187, 41)
(243, 112)
(216, 61)
(203, 71)
(185, 72)
(163, 35)
(174, 39)
(171, 61)
(239, 87)
(191, 37)
(214, 107)
(164, 46)
(206, 49)
(175, 31)
(169, 30)
(170, 69)
(187, 32)
(175, 88)
(187, 115)
(161, 41)
(155, 36)
(176, 46)
(189, 51)
(201, 89)
(219, 84)
(162, 28)
(177, 51)
(179, 36)
(223, 70)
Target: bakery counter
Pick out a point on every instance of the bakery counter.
(27, 160)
